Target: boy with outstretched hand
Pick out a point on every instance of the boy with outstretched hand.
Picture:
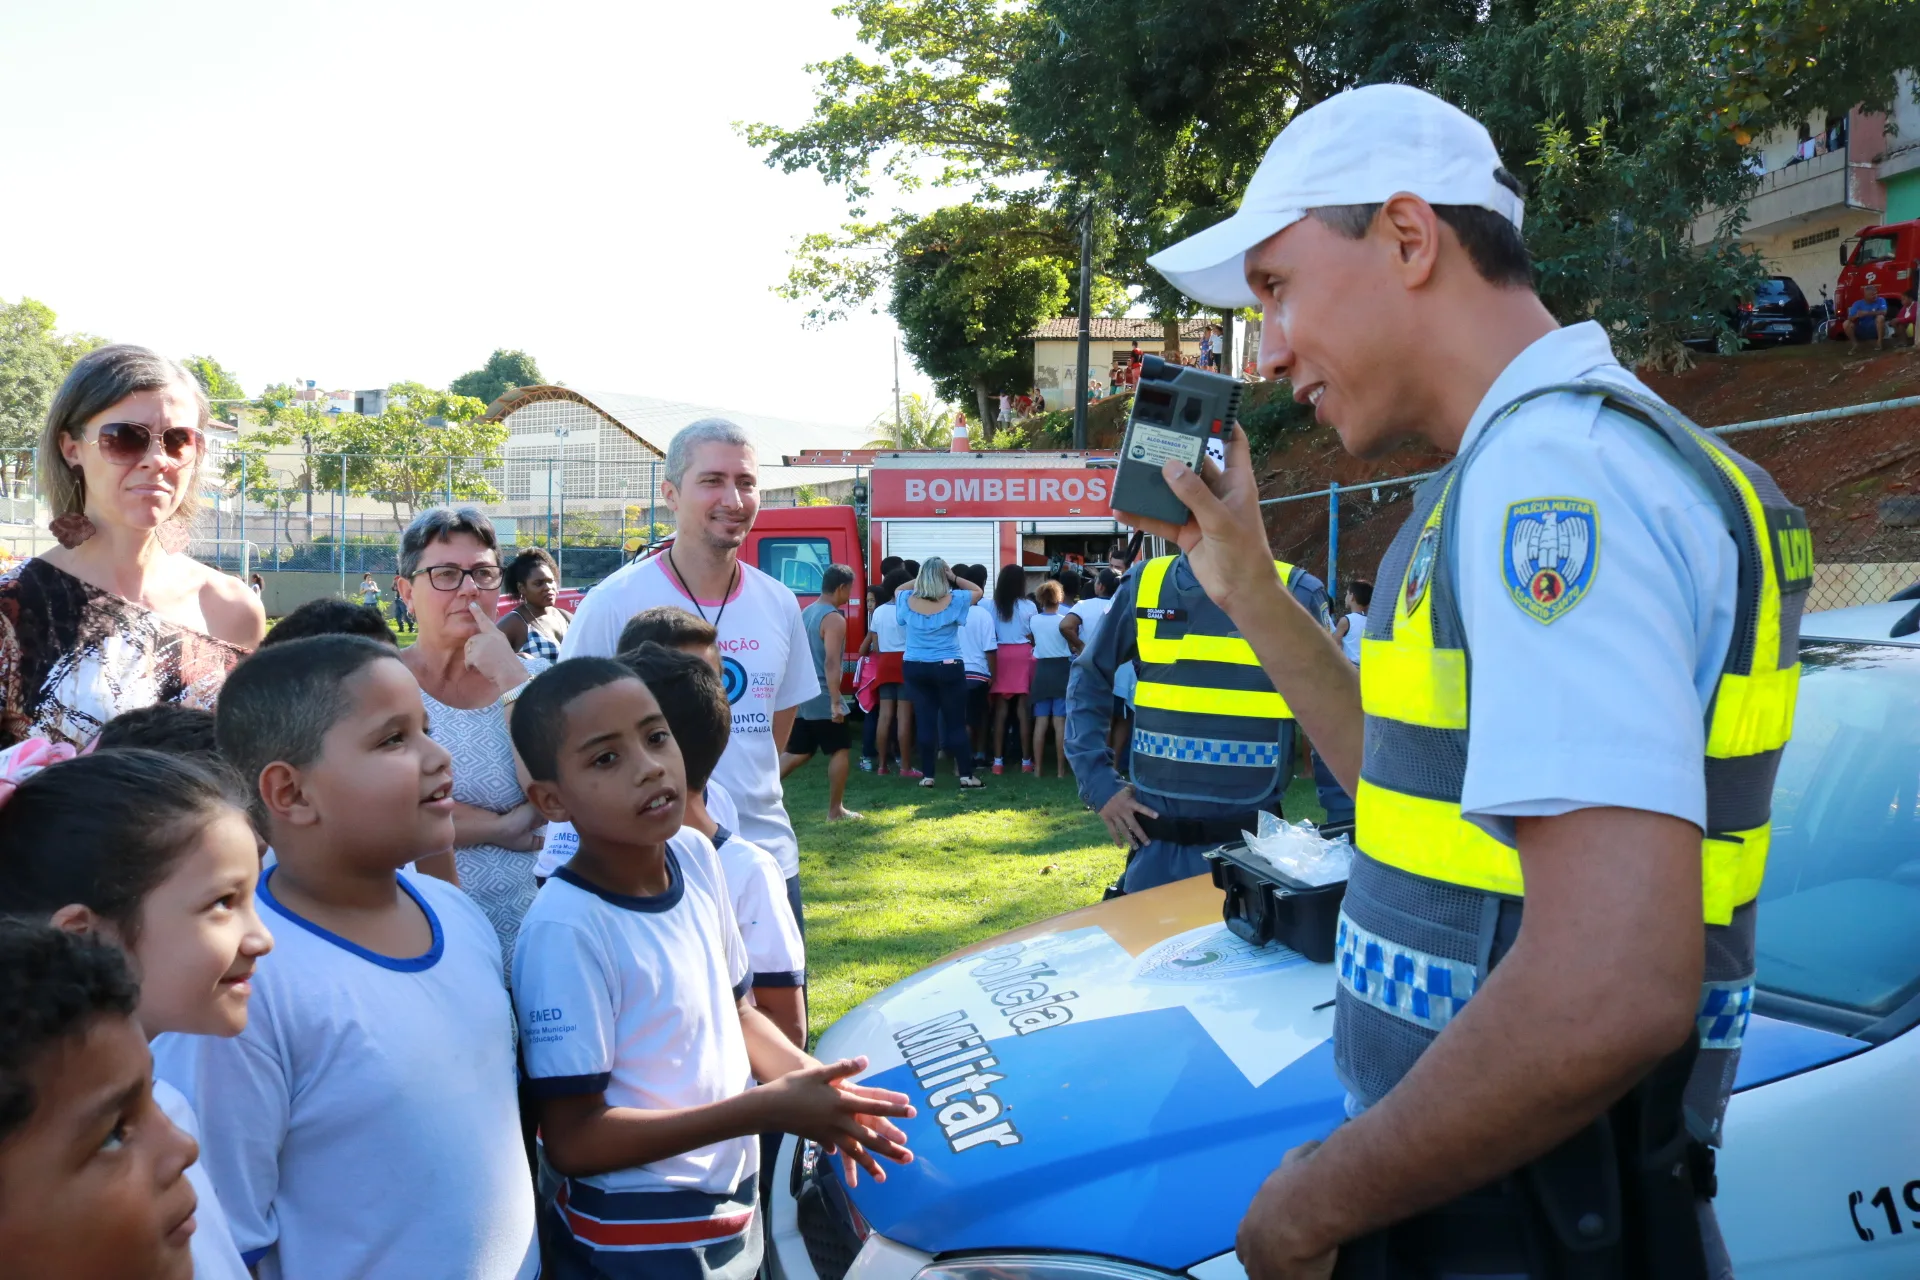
(630, 980)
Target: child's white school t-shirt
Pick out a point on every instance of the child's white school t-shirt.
(215, 1256)
(766, 666)
(977, 636)
(365, 1125)
(637, 999)
(776, 954)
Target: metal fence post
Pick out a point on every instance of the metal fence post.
(449, 479)
(1333, 536)
(340, 527)
(246, 561)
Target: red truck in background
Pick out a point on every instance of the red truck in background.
(1888, 257)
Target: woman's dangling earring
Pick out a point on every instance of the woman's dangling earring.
(73, 528)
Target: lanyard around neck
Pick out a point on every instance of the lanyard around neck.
(687, 587)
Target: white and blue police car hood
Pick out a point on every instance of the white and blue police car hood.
(1119, 1081)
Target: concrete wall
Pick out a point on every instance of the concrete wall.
(1056, 361)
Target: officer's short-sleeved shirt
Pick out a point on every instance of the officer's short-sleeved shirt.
(1602, 701)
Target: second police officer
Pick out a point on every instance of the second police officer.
(1212, 743)
(1578, 673)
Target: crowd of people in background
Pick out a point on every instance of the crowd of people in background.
(284, 912)
(990, 679)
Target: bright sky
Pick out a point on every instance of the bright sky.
(364, 191)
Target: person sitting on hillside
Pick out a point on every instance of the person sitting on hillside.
(1868, 318)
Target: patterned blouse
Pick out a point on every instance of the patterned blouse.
(499, 880)
(73, 656)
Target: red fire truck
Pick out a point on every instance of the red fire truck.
(1041, 510)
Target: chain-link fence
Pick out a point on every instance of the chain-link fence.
(342, 514)
(1860, 490)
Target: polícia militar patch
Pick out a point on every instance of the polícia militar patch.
(1552, 549)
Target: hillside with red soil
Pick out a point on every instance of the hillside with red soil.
(1839, 470)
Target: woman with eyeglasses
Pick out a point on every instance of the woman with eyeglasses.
(118, 616)
(450, 579)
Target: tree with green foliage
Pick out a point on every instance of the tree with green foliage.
(425, 446)
(1626, 120)
(218, 384)
(969, 283)
(503, 371)
(34, 359)
(921, 425)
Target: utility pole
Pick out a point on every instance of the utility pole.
(896, 386)
(1086, 327)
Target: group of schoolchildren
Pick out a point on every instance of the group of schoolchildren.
(1017, 649)
(343, 1082)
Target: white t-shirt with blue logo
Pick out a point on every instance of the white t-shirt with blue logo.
(366, 1123)
(637, 999)
(766, 664)
(1594, 694)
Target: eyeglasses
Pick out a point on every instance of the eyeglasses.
(127, 443)
(446, 577)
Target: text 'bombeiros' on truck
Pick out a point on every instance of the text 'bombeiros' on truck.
(1042, 509)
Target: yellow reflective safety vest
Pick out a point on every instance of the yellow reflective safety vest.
(1435, 900)
(1207, 724)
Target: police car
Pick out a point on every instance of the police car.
(1101, 1094)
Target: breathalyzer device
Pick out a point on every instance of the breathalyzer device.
(1176, 412)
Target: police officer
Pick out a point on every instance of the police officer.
(1212, 743)
(1579, 670)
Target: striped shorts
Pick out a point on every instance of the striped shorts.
(590, 1234)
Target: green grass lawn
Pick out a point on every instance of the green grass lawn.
(931, 871)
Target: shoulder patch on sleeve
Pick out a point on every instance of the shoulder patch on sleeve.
(1550, 551)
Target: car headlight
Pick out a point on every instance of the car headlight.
(1037, 1266)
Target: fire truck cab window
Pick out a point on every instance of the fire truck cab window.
(1874, 249)
(796, 563)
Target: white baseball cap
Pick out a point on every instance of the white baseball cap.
(1363, 146)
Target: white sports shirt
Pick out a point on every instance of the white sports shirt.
(776, 954)
(637, 999)
(366, 1124)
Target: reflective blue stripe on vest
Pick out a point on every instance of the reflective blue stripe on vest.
(1724, 1010)
(1174, 746)
(1396, 979)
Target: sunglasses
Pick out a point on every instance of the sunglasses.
(127, 443)
(446, 577)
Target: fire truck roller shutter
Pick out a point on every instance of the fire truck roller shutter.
(955, 541)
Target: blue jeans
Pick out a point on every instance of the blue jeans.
(939, 693)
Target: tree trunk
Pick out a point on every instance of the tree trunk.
(1170, 340)
(986, 409)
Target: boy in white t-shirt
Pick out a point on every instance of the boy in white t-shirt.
(691, 697)
(630, 980)
(365, 1125)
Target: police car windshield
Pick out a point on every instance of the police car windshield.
(1839, 922)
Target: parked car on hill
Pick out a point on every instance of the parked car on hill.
(1777, 314)
(1101, 1094)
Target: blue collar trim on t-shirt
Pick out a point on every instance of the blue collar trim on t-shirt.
(676, 888)
(413, 964)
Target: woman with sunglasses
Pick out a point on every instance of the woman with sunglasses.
(450, 579)
(118, 616)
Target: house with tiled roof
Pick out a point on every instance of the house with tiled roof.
(1056, 350)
